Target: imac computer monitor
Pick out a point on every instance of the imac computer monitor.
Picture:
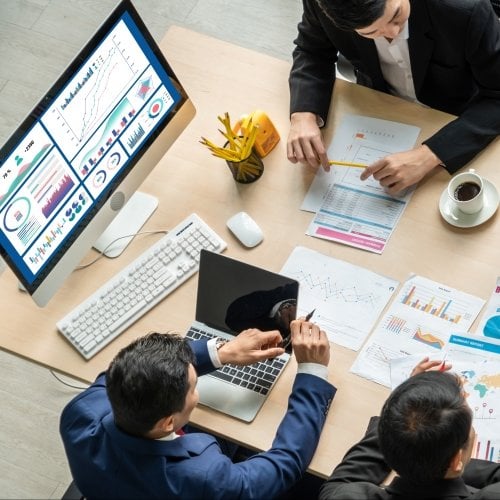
(84, 149)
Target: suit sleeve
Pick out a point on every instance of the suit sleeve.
(203, 363)
(481, 473)
(271, 473)
(479, 122)
(313, 70)
(362, 469)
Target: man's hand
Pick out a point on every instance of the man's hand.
(426, 365)
(305, 141)
(310, 344)
(251, 346)
(399, 171)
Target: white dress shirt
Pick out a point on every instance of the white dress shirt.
(395, 64)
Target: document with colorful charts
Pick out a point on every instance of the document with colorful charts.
(348, 210)
(346, 299)
(476, 359)
(489, 325)
(420, 320)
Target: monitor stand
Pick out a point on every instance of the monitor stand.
(128, 222)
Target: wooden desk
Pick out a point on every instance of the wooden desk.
(221, 77)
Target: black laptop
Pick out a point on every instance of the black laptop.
(233, 296)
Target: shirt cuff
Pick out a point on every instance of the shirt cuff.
(315, 369)
(212, 352)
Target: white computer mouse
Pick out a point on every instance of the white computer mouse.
(245, 229)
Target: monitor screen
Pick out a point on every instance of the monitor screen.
(84, 149)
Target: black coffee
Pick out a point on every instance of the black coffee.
(466, 191)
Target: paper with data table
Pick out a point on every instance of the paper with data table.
(350, 211)
(347, 299)
(476, 359)
(420, 319)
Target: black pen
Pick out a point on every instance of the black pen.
(310, 315)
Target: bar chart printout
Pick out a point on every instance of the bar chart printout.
(419, 320)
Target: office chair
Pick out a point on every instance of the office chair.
(346, 69)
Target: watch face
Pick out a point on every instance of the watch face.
(220, 342)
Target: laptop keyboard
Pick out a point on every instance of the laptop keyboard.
(258, 377)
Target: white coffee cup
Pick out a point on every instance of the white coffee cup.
(466, 192)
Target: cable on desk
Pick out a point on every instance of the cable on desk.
(103, 252)
(66, 383)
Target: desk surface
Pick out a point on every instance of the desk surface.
(221, 77)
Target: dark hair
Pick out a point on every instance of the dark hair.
(423, 424)
(353, 14)
(148, 380)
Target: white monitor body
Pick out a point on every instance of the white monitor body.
(20, 244)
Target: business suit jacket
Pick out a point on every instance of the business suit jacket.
(363, 468)
(108, 463)
(454, 48)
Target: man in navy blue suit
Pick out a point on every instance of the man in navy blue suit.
(123, 435)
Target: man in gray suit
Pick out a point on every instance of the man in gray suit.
(425, 435)
(441, 53)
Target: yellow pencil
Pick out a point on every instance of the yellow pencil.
(347, 164)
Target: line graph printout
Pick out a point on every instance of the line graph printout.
(476, 360)
(420, 320)
(348, 210)
(347, 299)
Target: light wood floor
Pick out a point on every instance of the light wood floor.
(37, 40)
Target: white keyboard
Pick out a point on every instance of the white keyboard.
(138, 287)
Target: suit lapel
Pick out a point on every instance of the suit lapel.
(420, 46)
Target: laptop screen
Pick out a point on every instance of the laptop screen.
(233, 296)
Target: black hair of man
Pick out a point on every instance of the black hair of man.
(423, 424)
(350, 15)
(148, 380)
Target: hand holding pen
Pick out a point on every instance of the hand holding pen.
(288, 339)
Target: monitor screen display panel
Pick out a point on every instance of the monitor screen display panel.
(84, 149)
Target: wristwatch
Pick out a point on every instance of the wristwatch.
(220, 342)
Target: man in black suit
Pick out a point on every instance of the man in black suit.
(442, 53)
(424, 435)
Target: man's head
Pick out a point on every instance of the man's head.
(369, 18)
(151, 385)
(425, 428)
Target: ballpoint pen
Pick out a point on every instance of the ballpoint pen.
(347, 164)
(310, 315)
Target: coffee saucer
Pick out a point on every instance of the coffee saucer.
(455, 217)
